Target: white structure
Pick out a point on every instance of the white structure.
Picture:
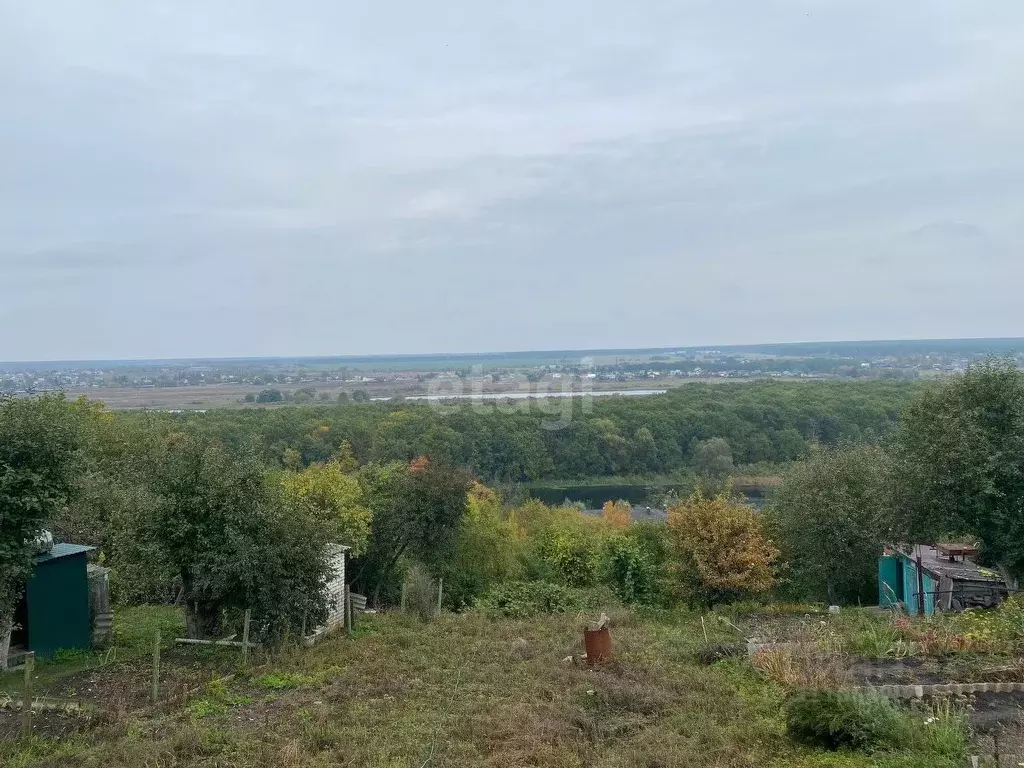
(337, 554)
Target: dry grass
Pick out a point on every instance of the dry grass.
(802, 666)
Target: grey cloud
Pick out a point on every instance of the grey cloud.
(374, 175)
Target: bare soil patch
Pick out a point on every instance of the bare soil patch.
(51, 724)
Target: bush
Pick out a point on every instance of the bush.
(628, 570)
(420, 592)
(530, 598)
(487, 550)
(574, 558)
(721, 553)
(845, 720)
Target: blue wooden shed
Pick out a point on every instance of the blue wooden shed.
(949, 579)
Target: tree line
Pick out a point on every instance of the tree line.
(760, 422)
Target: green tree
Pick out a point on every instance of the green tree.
(645, 451)
(270, 396)
(346, 458)
(417, 511)
(360, 396)
(628, 569)
(960, 463)
(831, 518)
(305, 395)
(234, 541)
(486, 550)
(38, 450)
(333, 498)
(111, 503)
(291, 459)
(713, 458)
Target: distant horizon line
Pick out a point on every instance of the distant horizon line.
(583, 351)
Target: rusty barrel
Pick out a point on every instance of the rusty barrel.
(598, 643)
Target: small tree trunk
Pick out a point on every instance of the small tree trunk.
(202, 620)
(6, 627)
(383, 576)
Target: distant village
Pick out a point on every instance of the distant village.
(663, 368)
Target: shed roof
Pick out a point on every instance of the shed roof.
(62, 550)
(961, 570)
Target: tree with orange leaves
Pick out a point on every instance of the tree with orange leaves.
(618, 514)
(720, 550)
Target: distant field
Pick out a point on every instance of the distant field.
(232, 396)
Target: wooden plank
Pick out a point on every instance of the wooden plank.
(156, 667)
(245, 636)
(226, 643)
(26, 712)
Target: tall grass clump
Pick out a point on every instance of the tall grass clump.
(420, 592)
(851, 720)
(843, 720)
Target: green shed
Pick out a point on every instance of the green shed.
(54, 613)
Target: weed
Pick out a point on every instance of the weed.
(843, 719)
(70, 656)
(851, 720)
(281, 681)
(525, 599)
(421, 593)
(201, 708)
(801, 666)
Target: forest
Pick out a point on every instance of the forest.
(762, 422)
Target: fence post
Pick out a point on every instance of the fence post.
(920, 585)
(245, 637)
(348, 609)
(156, 667)
(440, 593)
(405, 594)
(302, 638)
(26, 703)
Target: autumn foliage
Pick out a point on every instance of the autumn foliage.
(618, 514)
(721, 551)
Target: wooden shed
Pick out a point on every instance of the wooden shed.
(54, 613)
(944, 575)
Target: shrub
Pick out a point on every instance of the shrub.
(420, 592)
(573, 558)
(628, 570)
(487, 550)
(282, 681)
(530, 598)
(721, 553)
(566, 544)
(844, 720)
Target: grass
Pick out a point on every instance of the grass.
(464, 690)
(133, 632)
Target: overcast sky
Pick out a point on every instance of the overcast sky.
(213, 178)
